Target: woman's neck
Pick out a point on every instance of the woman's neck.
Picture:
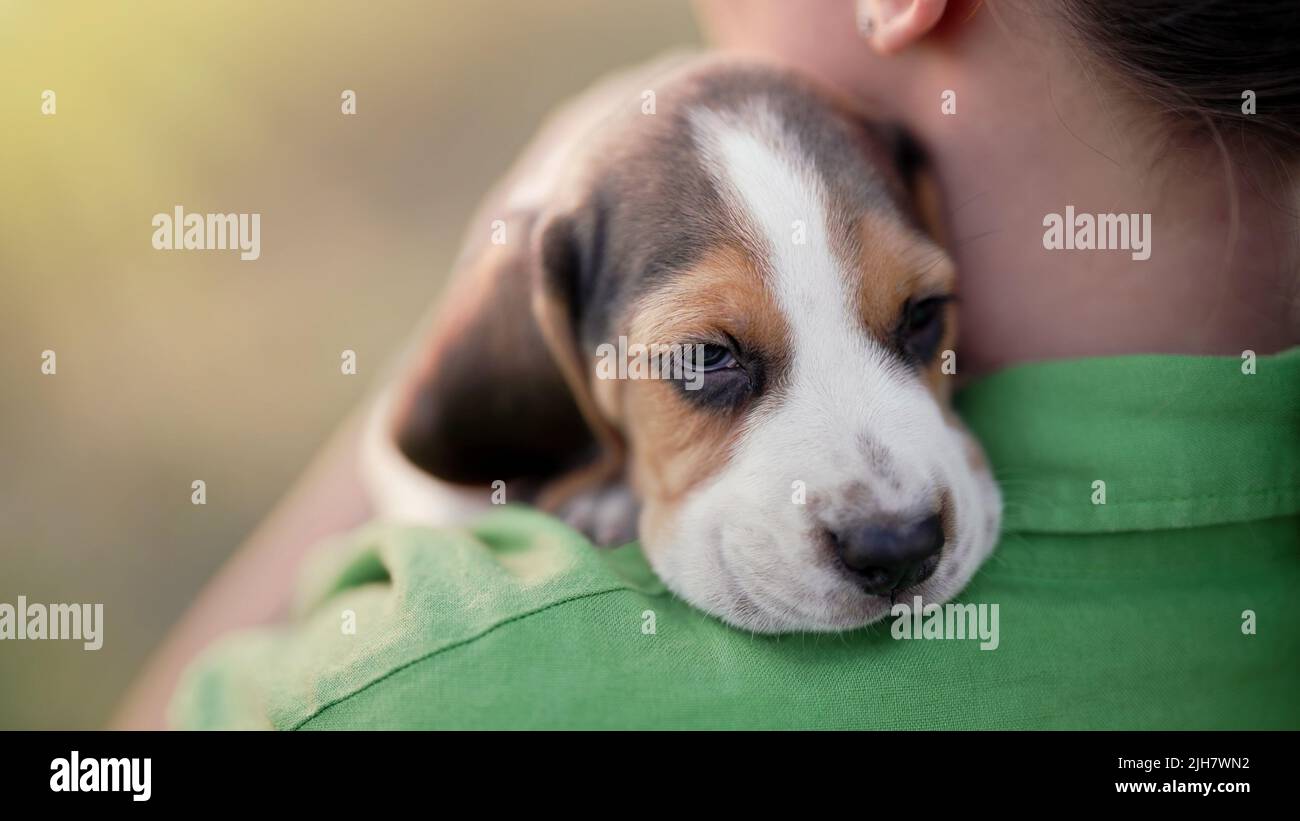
(1193, 275)
(1209, 265)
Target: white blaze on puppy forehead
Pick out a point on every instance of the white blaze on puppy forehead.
(840, 374)
(768, 178)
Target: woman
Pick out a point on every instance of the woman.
(1139, 404)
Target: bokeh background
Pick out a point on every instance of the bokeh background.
(175, 366)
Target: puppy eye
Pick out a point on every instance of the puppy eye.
(716, 377)
(715, 358)
(921, 329)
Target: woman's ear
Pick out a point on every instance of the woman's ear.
(892, 25)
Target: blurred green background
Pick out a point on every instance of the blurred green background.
(176, 366)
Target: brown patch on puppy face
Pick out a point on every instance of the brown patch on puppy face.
(898, 266)
(675, 442)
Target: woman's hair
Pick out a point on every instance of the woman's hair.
(1196, 59)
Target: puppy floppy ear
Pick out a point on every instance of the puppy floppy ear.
(500, 391)
(565, 276)
(914, 166)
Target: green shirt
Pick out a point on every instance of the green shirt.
(1172, 605)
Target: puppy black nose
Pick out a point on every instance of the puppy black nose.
(884, 558)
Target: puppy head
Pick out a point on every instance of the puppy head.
(804, 466)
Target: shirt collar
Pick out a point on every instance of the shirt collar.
(1178, 441)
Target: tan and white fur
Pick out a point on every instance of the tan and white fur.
(751, 212)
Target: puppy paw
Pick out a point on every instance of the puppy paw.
(605, 514)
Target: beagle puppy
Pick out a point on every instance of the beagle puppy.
(805, 466)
